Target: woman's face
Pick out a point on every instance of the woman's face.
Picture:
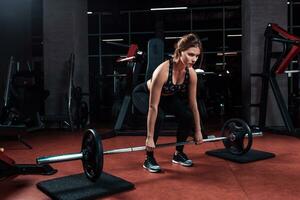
(190, 56)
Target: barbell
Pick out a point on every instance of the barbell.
(234, 132)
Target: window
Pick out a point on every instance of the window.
(110, 34)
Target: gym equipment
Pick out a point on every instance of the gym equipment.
(155, 56)
(133, 60)
(236, 130)
(77, 110)
(23, 97)
(234, 133)
(9, 168)
(291, 47)
(10, 116)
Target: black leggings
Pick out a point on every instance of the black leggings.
(174, 104)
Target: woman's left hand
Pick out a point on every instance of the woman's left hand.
(198, 137)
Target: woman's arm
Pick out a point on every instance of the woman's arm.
(158, 79)
(193, 104)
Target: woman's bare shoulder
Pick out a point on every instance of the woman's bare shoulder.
(161, 72)
(164, 65)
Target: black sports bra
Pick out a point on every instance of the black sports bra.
(169, 88)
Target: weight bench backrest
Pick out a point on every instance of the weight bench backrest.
(155, 54)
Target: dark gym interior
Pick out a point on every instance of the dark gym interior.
(68, 72)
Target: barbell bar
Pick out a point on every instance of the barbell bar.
(233, 133)
(79, 156)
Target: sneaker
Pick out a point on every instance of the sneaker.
(151, 165)
(182, 159)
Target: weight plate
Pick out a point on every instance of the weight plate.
(239, 136)
(92, 155)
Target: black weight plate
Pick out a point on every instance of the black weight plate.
(239, 136)
(92, 154)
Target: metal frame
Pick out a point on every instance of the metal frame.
(274, 33)
(130, 33)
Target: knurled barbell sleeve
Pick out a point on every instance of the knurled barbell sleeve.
(59, 158)
(256, 134)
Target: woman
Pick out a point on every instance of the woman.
(172, 89)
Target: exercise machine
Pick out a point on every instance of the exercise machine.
(290, 48)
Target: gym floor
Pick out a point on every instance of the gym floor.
(209, 178)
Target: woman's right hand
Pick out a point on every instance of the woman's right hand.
(150, 144)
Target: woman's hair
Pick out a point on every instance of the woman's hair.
(186, 42)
